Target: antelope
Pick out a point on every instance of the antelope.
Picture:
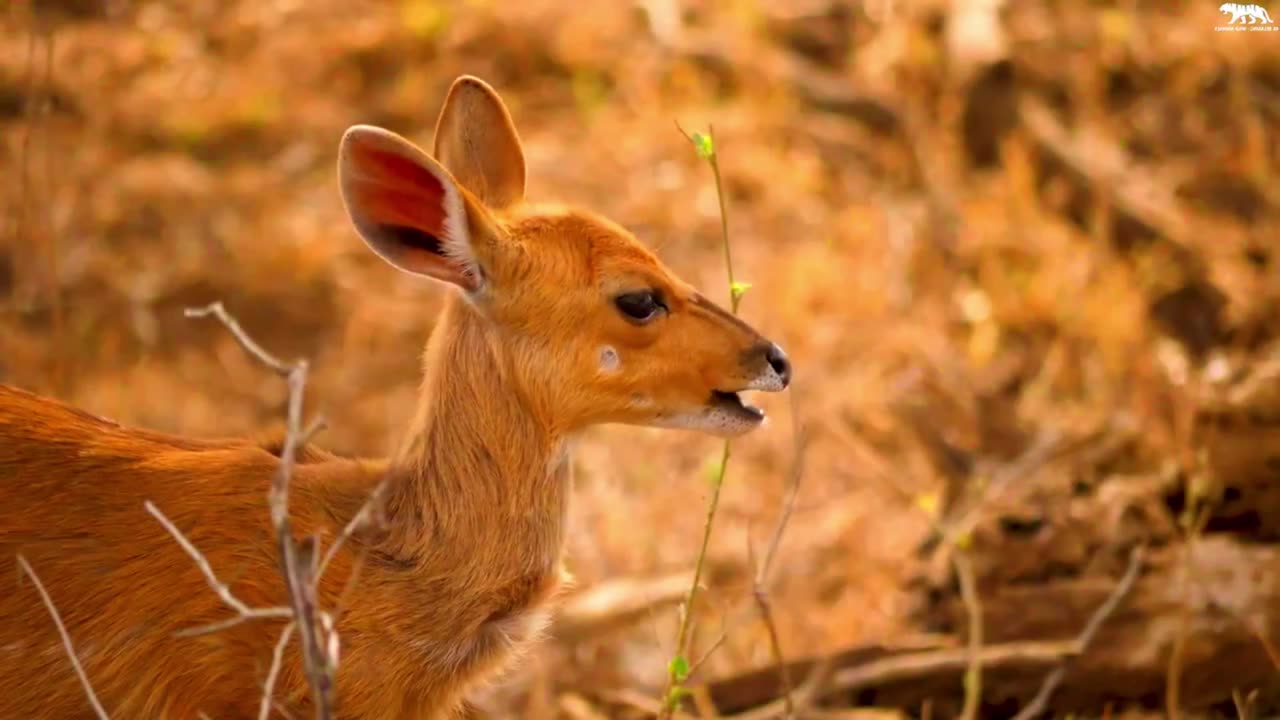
(557, 319)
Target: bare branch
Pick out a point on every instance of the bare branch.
(1040, 702)
(697, 665)
(66, 639)
(277, 659)
(254, 614)
(217, 310)
(244, 612)
(315, 630)
(905, 667)
(314, 428)
(362, 517)
(299, 563)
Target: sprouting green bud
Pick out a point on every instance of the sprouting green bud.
(679, 669)
(703, 145)
(674, 697)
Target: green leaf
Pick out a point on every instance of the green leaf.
(703, 145)
(674, 697)
(738, 289)
(679, 669)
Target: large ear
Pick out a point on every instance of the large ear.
(477, 141)
(407, 207)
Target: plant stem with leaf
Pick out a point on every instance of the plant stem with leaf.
(678, 668)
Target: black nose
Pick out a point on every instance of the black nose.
(779, 362)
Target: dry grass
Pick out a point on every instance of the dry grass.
(914, 231)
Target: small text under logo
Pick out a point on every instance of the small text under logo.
(1246, 18)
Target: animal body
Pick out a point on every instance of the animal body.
(557, 319)
(1251, 14)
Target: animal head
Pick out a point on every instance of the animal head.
(586, 314)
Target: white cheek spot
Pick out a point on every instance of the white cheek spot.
(609, 360)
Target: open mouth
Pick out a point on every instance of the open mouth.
(733, 402)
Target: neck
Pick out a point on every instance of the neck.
(483, 472)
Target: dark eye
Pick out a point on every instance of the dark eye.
(640, 306)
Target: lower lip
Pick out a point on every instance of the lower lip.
(734, 402)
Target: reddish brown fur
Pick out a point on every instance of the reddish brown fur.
(460, 576)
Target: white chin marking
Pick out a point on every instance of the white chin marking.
(713, 421)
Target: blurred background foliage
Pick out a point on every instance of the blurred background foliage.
(973, 224)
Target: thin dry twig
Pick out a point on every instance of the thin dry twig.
(636, 700)
(318, 424)
(358, 521)
(826, 679)
(23, 221)
(804, 695)
(759, 587)
(973, 605)
(697, 665)
(217, 310)
(953, 543)
(66, 638)
(577, 707)
(48, 28)
(812, 686)
(1244, 704)
(800, 444)
(243, 611)
(1195, 516)
(277, 659)
(1108, 608)
(912, 665)
(1173, 676)
(299, 562)
(703, 702)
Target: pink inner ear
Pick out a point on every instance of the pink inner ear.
(393, 190)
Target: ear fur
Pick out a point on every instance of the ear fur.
(407, 207)
(477, 141)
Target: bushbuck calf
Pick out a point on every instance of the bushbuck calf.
(558, 319)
